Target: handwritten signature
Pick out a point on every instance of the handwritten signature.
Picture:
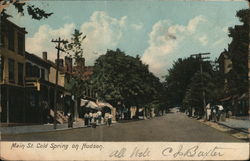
(181, 151)
(136, 152)
(193, 151)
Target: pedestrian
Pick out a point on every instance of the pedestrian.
(70, 120)
(109, 119)
(208, 112)
(99, 116)
(95, 117)
(86, 119)
(90, 117)
(220, 111)
(214, 113)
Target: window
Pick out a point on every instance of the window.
(42, 74)
(11, 39)
(35, 71)
(28, 69)
(11, 70)
(20, 74)
(2, 43)
(1, 67)
(20, 44)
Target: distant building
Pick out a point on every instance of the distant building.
(225, 63)
(12, 69)
(85, 73)
(38, 88)
(238, 104)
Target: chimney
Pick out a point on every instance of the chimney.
(81, 63)
(60, 61)
(45, 55)
(68, 64)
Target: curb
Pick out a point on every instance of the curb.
(239, 135)
(240, 130)
(50, 130)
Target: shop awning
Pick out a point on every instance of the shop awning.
(104, 104)
(89, 104)
(243, 96)
(225, 99)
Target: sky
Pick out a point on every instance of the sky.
(159, 31)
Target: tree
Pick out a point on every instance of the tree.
(238, 51)
(122, 78)
(193, 97)
(179, 77)
(76, 82)
(35, 12)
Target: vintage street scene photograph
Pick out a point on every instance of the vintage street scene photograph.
(124, 70)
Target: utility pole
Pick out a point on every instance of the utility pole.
(58, 41)
(200, 58)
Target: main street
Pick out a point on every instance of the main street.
(170, 127)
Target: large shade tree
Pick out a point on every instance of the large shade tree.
(179, 77)
(238, 50)
(122, 78)
(200, 82)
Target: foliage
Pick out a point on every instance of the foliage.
(238, 50)
(74, 48)
(35, 12)
(194, 93)
(122, 78)
(179, 77)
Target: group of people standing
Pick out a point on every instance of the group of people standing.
(214, 113)
(96, 118)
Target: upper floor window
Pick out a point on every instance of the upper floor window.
(11, 39)
(20, 44)
(20, 73)
(11, 64)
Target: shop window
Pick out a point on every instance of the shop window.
(11, 39)
(20, 74)
(11, 70)
(1, 67)
(20, 44)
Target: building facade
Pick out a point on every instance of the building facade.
(12, 69)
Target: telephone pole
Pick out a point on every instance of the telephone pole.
(201, 58)
(59, 41)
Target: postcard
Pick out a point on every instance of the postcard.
(124, 80)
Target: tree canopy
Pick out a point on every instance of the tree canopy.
(238, 51)
(122, 78)
(180, 76)
(76, 83)
(35, 12)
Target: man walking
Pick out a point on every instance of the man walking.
(109, 119)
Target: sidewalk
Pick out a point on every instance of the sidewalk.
(237, 124)
(38, 128)
(43, 127)
(234, 127)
